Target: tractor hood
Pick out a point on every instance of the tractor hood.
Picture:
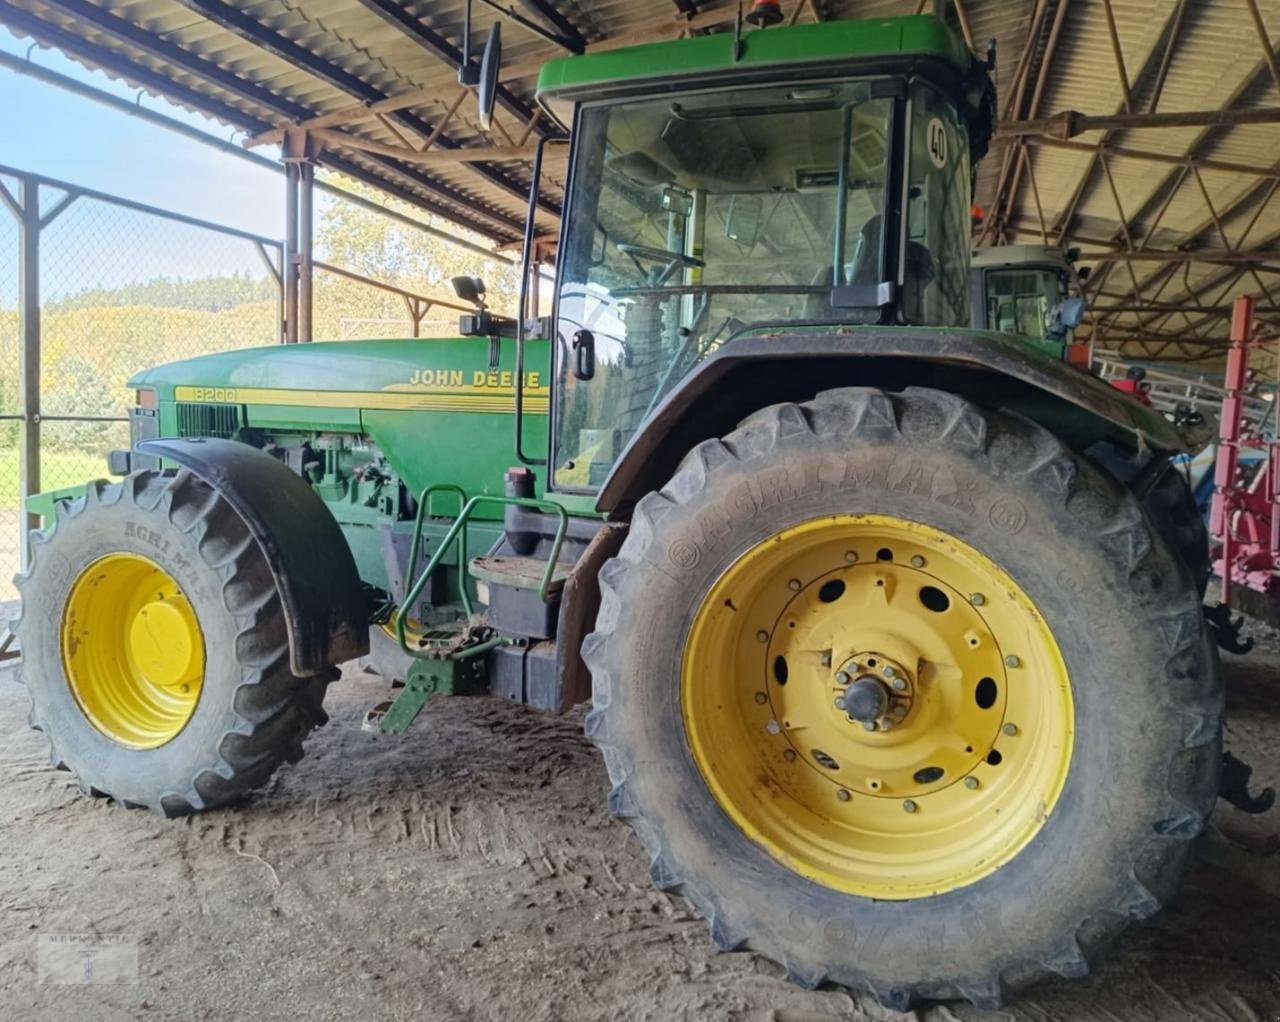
(449, 374)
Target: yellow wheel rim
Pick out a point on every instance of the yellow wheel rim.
(132, 651)
(878, 705)
(413, 630)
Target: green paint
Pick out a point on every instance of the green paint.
(837, 42)
(463, 435)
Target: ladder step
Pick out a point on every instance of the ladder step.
(518, 572)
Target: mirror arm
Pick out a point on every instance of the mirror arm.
(525, 263)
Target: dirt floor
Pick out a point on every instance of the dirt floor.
(470, 871)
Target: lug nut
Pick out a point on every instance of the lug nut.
(843, 677)
(1010, 729)
(789, 755)
(839, 702)
(868, 725)
(794, 584)
(899, 684)
(850, 556)
(1012, 661)
(977, 599)
(900, 711)
(761, 698)
(772, 727)
(917, 561)
(909, 806)
(971, 783)
(762, 636)
(888, 671)
(842, 795)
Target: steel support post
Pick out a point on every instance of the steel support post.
(306, 212)
(29, 353)
(291, 176)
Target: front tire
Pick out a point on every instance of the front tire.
(155, 649)
(1104, 838)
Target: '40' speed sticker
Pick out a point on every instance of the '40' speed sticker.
(937, 141)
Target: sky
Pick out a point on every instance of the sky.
(56, 133)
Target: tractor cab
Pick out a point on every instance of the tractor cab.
(1026, 290)
(821, 179)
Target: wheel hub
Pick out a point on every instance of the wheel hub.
(873, 691)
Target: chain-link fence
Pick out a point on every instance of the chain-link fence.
(121, 286)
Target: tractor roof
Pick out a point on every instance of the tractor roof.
(1021, 255)
(836, 43)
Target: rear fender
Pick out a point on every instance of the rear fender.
(992, 370)
(310, 561)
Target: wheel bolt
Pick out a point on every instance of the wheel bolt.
(899, 684)
(761, 698)
(772, 727)
(850, 556)
(789, 755)
(888, 671)
(917, 561)
(794, 584)
(900, 711)
(843, 677)
(1012, 661)
(977, 599)
(868, 725)
(909, 806)
(762, 636)
(839, 702)
(971, 782)
(1010, 729)
(842, 795)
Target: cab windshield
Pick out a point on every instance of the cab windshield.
(696, 217)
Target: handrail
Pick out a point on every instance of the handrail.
(457, 533)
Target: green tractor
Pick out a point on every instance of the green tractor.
(1027, 290)
(897, 684)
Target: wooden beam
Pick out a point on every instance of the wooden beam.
(436, 158)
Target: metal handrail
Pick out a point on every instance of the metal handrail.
(457, 533)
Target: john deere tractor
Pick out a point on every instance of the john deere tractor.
(896, 683)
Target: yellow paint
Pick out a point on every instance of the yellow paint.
(877, 592)
(132, 651)
(400, 397)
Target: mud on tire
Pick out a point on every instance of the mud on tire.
(253, 713)
(1124, 612)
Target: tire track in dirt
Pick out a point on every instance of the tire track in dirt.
(470, 871)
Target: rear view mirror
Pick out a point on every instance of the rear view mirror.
(1071, 312)
(489, 65)
(485, 77)
(1066, 315)
(743, 221)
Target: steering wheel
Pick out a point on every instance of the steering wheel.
(667, 261)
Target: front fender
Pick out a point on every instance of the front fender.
(993, 370)
(310, 561)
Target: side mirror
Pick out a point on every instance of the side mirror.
(584, 355)
(469, 289)
(489, 65)
(1066, 315)
(743, 221)
(1071, 312)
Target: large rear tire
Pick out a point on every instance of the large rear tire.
(943, 541)
(155, 649)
